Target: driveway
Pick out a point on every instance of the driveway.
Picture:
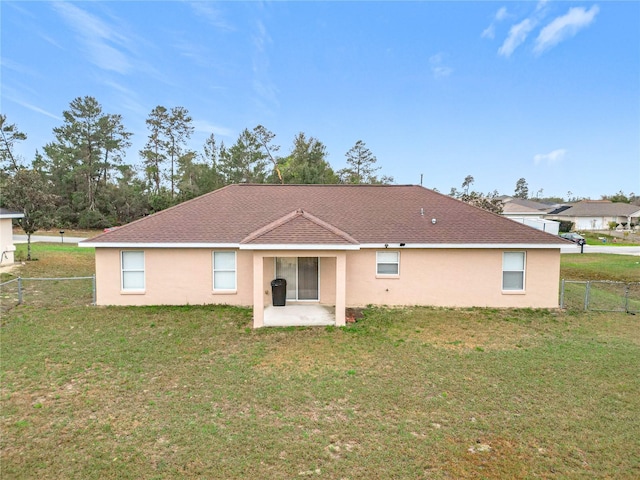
(602, 249)
(46, 238)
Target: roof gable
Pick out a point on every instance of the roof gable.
(299, 227)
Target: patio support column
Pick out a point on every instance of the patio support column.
(258, 297)
(341, 289)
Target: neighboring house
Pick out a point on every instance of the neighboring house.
(596, 214)
(336, 245)
(530, 213)
(6, 235)
(522, 208)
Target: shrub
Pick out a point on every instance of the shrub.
(565, 226)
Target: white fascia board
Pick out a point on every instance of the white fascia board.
(156, 245)
(12, 215)
(280, 246)
(500, 246)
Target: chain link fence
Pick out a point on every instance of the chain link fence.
(600, 296)
(47, 292)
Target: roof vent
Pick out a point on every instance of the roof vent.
(433, 220)
(422, 212)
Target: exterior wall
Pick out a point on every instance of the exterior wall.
(599, 223)
(6, 241)
(437, 277)
(452, 278)
(172, 277)
(549, 226)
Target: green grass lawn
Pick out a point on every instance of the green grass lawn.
(600, 266)
(187, 392)
(610, 240)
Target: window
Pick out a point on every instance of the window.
(513, 270)
(132, 263)
(224, 271)
(387, 263)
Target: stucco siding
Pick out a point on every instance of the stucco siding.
(452, 278)
(437, 277)
(172, 277)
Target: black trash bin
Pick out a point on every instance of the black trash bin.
(279, 292)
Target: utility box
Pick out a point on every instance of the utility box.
(279, 292)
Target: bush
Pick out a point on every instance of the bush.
(613, 225)
(565, 226)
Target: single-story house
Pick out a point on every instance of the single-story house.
(6, 235)
(523, 208)
(337, 246)
(530, 213)
(596, 214)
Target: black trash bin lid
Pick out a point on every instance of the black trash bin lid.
(278, 282)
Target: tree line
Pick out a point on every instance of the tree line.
(81, 178)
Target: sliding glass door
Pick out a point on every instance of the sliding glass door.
(301, 274)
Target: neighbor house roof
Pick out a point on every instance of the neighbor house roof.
(4, 213)
(512, 205)
(347, 215)
(601, 208)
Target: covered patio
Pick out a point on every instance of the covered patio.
(324, 311)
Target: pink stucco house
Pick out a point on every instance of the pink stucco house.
(338, 246)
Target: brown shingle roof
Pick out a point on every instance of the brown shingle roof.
(601, 208)
(299, 227)
(375, 214)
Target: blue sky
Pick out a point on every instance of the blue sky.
(548, 91)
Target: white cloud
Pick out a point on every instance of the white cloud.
(550, 158)
(564, 27)
(517, 35)
(490, 31)
(501, 14)
(103, 42)
(203, 126)
(35, 108)
(438, 67)
(212, 15)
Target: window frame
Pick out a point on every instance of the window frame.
(124, 271)
(523, 272)
(378, 263)
(234, 270)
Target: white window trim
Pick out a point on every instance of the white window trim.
(524, 274)
(123, 271)
(387, 275)
(214, 270)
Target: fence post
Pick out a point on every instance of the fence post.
(626, 298)
(93, 288)
(586, 296)
(562, 294)
(19, 290)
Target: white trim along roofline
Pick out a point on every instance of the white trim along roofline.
(282, 246)
(156, 245)
(500, 246)
(11, 215)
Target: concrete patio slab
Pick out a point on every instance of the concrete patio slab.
(296, 314)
